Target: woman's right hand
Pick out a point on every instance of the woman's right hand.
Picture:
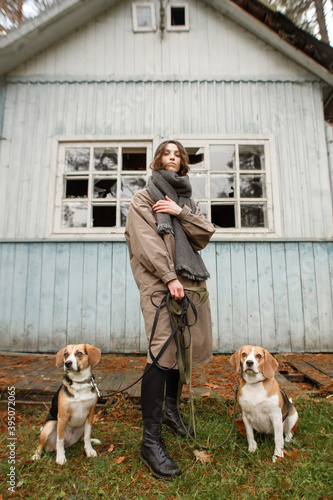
(176, 289)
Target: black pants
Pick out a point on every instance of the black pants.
(154, 383)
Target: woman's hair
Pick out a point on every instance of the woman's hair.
(184, 159)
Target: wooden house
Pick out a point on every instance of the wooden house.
(87, 92)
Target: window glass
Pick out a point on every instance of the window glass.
(222, 157)
(74, 215)
(251, 186)
(251, 157)
(199, 185)
(130, 185)
(196, 157)
(222, 186)
(143, 15)
(252, 216)
(77, 159)
(105, 159)
(105, 188)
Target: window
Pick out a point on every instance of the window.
(232, 182)
(95, 184)
(178, 17)
(143, 15)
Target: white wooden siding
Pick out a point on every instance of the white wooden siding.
(214, 45)
(291, 112)
(278, 295)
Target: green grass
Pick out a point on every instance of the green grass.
(232, 473)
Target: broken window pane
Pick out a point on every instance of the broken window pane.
(134, 159)
(222, 157)
(129, 186)
(143, 16)
(199, 185)
(124, 208)
(251, 186)
(223, 215)
(105, 188)
(222, 186)
(251, 157)
(253, 215)
(76, 188)
(196, 157)
(77, 159)
(74, 215)
(103, 216)
(106, 159)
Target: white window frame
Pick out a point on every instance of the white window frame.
(273, 220)
(143, 29)
(186, 26)
(59, 175)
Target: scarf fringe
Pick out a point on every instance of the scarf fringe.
(164, 228)
(187, 273)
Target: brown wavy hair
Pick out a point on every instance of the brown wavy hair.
(184, 159)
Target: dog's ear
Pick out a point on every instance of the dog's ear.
(94, 354)
(59, 357)
(235, 360)
(270, 365)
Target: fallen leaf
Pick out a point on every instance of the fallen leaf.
(202, 456)
(289, 455)
(111, 448)
(212, 386)
(96, 417)
(120, 459)
(240, 426)
(206, 395)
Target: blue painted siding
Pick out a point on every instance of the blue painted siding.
(275, 294)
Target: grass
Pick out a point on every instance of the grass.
(229, 472)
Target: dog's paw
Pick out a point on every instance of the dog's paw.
(277, 454)
(252, 446)
(61, 460)
(95, 441)
(288, 437)
(91, 453)
(35, 457)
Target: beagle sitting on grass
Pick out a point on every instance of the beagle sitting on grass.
(265, 407)
(73, 405)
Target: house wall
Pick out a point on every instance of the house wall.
(276, 293)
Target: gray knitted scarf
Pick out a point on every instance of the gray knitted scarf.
(189, 263)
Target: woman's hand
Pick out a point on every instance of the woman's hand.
(176, 289)
(167, 206)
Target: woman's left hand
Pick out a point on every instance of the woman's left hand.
(167, 206)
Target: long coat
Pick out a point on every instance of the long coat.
(152, 258)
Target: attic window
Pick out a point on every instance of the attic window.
(144, 19)
(178, 17)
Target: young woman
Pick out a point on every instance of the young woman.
(164, 231)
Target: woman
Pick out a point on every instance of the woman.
(164, 231)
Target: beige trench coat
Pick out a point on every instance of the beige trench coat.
(152, 260)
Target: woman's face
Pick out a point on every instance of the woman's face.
(171, 158)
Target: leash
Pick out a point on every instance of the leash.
(179, 323)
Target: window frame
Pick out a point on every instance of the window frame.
(143, 29)
(57, 189)
(273, 227)
(186, 26)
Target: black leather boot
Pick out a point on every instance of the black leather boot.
(154, 454)
(171, 418)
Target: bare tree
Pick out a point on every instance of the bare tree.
(12, 12)
(306, 14)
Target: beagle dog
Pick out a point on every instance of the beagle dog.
(73, 405)
(265, 407)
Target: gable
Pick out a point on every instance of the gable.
(214, 46)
